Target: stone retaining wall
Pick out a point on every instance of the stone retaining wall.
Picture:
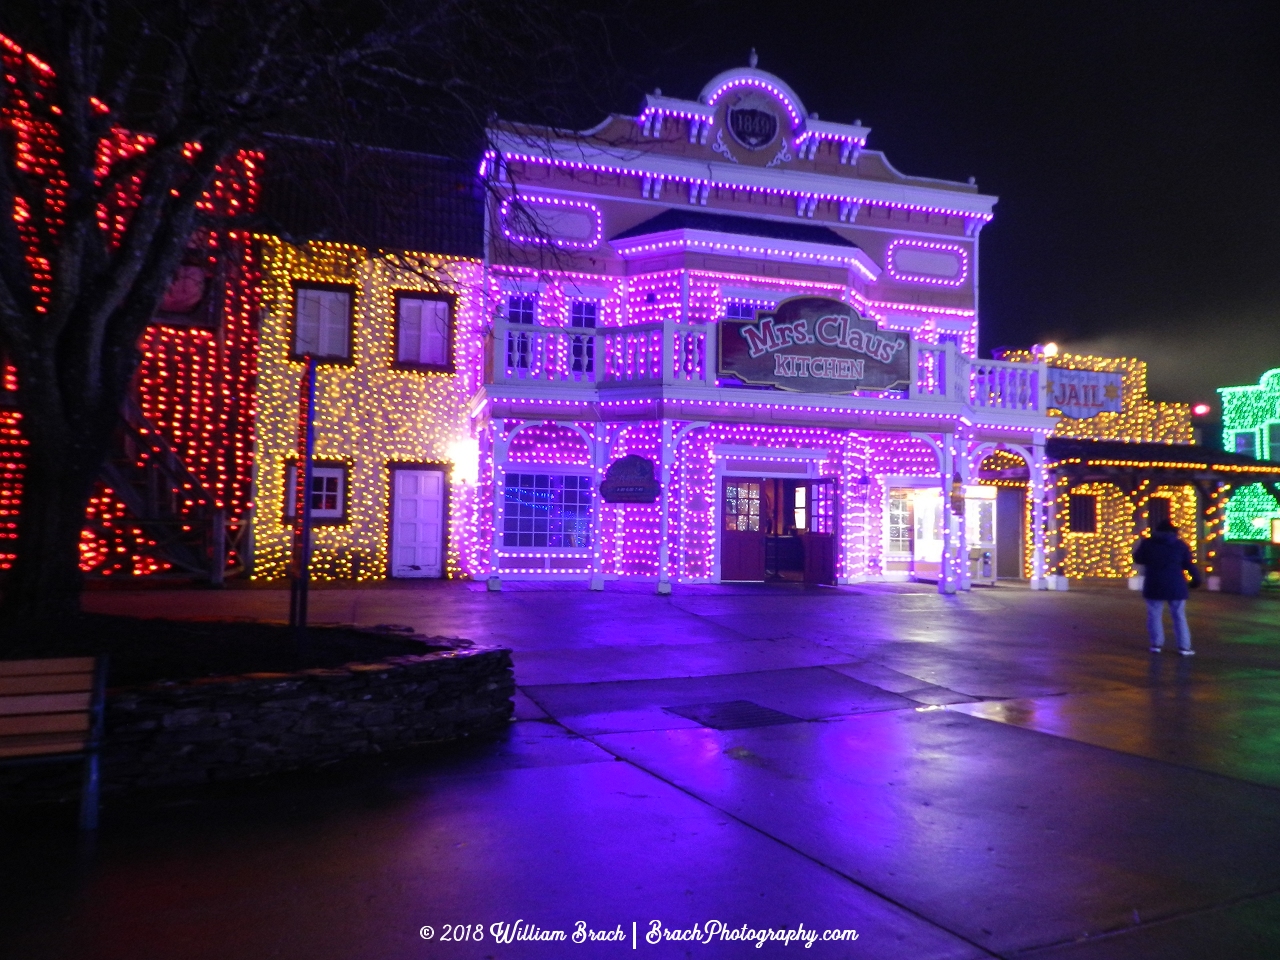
(226, 728)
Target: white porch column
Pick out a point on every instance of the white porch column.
(1036, 489)
(946, 463)
(599, 458)
(498, 447)
(664, 510)
(963, 575)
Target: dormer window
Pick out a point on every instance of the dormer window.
(739, 310)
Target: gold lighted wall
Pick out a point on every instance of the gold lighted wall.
(1140, 420)
(369, 414)
(1109, 552)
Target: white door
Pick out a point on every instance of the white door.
(417, 524)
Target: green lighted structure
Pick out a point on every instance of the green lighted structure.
(1251, 426)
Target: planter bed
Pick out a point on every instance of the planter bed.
(202, 728)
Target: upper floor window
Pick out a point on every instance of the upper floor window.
(1273, 441)
(1247, 443)
(583, 313)
(739, 310)
(955, 339)
(522, 308)
(322, 322)
(423, 327)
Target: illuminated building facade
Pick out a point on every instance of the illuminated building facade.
(175, 495)
(392, 425)
(1119, 463)
(397, 338)
(727, 341)
(1251, 428)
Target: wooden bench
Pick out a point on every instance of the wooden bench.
(51, 712)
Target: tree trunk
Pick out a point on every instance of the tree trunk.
(61, 464)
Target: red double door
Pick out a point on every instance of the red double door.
(750, 512)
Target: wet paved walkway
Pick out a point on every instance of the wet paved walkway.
(1003, 773)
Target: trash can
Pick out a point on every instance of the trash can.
(1239, 567)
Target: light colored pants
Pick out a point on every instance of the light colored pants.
(1155, 622)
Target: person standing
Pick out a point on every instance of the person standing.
(1166, 560)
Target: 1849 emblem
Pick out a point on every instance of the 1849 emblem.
(752, 127)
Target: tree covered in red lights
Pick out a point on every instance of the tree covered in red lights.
(124, 131)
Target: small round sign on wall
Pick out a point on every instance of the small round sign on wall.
(630, 480)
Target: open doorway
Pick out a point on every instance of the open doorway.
(778, 529)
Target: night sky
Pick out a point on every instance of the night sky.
(1134, 146)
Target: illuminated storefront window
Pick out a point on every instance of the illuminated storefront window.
(546, 510)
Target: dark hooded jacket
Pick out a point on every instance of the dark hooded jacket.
(1165, 557)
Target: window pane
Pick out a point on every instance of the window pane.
(822, 507)
(424, 331)
(519, 351)
(327, 485)
(583, 313)
(1084, 513)
(584, 354)
(520, 308)
(1246, 443)
(334, 315)
(306, 338)
(410, 330)
(1273, 442)
(546, 510)
(435, 333)
(901, 522)
(742, 507)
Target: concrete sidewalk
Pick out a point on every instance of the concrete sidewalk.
(1002, 773)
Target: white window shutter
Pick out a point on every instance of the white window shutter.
(307, 323)
(410, 330)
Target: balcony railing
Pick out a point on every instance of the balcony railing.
(1001, 385)
(676, 354)
(643, 353)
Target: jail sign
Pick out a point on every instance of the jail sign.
(1081, 394)
(813, 345)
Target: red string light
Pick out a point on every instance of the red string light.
(195, 384)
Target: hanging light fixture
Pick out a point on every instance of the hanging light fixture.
(862, 488)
